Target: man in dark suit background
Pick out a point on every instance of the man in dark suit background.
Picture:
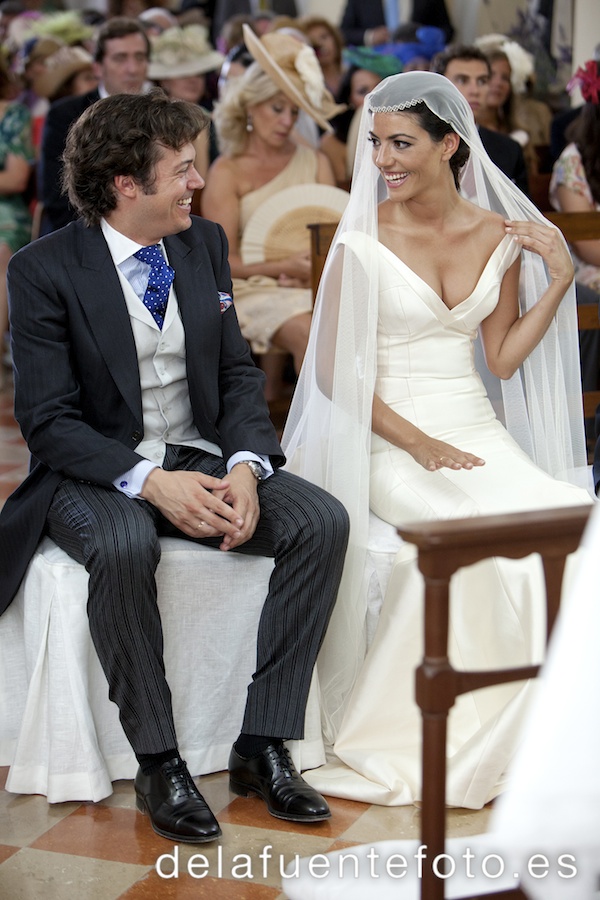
(145, 416)
(366, 22)
(121, 63)
(227, 9)
(469, 69)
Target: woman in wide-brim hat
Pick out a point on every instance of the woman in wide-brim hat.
(180, 60)
(67, 72)
(260, 156)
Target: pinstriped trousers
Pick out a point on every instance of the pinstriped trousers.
(302, 527)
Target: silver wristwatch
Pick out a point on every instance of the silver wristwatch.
(255, 467)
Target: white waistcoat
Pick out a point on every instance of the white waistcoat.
(167, 411)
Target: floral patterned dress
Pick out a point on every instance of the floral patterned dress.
(15, 137)
(569, 172)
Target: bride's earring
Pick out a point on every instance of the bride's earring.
(249, 125)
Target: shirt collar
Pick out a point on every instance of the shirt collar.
(121, 247)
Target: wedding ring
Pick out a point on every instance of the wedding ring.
(201, 524)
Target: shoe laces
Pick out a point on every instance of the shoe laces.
(180, 777)
(284, 760)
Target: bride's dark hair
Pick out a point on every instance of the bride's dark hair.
(436, 128)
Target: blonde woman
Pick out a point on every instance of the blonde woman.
(260, 157)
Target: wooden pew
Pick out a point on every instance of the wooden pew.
(582, 226)
(443, 548)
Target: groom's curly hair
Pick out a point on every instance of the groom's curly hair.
(124, 134)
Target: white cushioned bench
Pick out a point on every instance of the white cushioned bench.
(59, 732)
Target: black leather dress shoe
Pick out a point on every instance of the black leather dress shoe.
(273, 776)
(174, 805)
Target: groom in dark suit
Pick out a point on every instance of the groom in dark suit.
(145, 416)
(121, 63)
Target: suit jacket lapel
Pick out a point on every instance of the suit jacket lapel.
(100, 294)
(188, 263)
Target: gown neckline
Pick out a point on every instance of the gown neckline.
(396, 260)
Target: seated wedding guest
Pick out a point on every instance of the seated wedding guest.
(328, 43)
(511, 85)
(562, 120)
(415, 46)
(121, 63)
(232, 33)
(235, 63)
(259, 157)
(29, 64)
(180, 59)
(16, 162)
(122, 454)
(366, 68)
(392, 415)
(508, 109)
(575, 183)
(575, 187)
(468, 68)
(227, 9)
(373, 22)
(157, 19)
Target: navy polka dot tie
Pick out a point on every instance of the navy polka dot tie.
(159, 281)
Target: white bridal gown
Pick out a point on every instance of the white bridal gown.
(426, 373)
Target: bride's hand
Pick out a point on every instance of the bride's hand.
(433, 455)
(548, 243)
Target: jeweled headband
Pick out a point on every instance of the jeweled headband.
(408, 89)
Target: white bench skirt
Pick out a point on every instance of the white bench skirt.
(59, 732)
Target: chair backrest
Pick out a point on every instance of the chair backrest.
(582, 226)
(321, 236)
(443, 548)
(577, 226)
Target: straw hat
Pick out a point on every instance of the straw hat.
(179, 52)
(61, 66)
(295, 69)
(278, 227)
(36, 48)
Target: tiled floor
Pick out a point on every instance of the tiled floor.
(107, 850)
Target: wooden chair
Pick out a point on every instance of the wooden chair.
(443, 548)
(539, 185)
(321, 236)
(582, 226)
(577, 226)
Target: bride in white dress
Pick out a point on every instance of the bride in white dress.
(391, 414)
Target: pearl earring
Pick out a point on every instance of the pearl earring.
(249, 125)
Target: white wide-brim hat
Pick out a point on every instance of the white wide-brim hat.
(293, 66)
(181, 52)
(59, 67)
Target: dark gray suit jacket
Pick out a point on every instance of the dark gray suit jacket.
(60, 117)
(361, 15)
(77, 388)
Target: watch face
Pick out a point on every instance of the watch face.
(255, 468)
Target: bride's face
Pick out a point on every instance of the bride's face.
(405, 154)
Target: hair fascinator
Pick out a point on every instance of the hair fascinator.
(521, 61)
(586, 78)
